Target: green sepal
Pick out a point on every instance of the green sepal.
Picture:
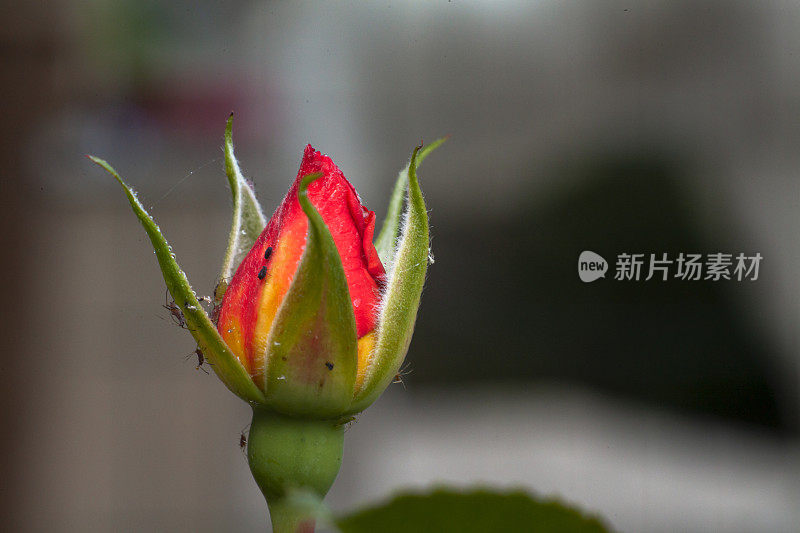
(386, 243)
(223, 361)
(248, 219)
(399, 306)
(311, 350)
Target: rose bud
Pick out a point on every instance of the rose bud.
(301, 312)
(313, 320)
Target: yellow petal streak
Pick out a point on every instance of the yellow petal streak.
(233, 338)
(231, 331)
(365, 346)
(279, 279)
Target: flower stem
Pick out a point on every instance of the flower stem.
(289, 518)
(288, 453)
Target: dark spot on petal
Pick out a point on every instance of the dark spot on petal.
(268, 253)
(262, 273)
(329, 365)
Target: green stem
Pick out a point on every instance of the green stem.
(286, 516)
(288, 453)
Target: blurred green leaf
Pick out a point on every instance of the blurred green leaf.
(478, 511)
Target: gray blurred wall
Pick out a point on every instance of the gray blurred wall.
(109, 428)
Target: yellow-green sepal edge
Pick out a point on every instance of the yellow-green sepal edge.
(406, 269)
(248, 219)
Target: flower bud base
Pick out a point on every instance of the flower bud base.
(288, 453)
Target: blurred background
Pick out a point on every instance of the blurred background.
(612, 126)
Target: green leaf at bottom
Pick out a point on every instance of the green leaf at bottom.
(476, 511)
